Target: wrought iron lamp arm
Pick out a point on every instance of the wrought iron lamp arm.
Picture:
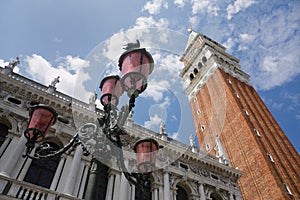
(44, 151)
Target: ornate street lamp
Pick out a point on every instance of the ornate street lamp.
(111, 89)
(136, 64)
(42, 117)
(145, 150)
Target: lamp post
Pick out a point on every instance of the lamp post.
(135, 64)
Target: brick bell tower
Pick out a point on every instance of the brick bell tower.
(234, 124)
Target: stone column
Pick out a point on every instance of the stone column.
(73, 171)
(231, 196)
(132, 192)
(84, 180)
(110, 186)
(117, 186)
(4, 145)
(23, 170)
(174, 193)
(57, 173)
(201, 192)
(166, 186)
(11, 156)
(91, 188)
(160, 192)
(124, 186)
(155, 194)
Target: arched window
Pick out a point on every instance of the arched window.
(41, 172)
(196, 71)
(181, 193)
(139, 195)
(215, 196)
(192, 76)
(200, 65)
(144, 195)
(3, 133)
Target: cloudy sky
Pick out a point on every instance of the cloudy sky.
(80, 41)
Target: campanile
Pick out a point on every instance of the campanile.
(233, 123)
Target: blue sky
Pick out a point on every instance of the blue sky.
(65, 37)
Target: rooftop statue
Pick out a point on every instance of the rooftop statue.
(14, 63)
(132, 45)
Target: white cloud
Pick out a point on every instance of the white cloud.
(167, 102)
(238, 6)
(156, 89)
(242, 42)
(276, 69)
(194, 21)
(274, 49)
(148, 22)
(168, 64)
(153, 123)
(3, 63)
(229, 44)
(246, 37)
(179, 3)
(154, 6)
(69, 70)
(205, 6)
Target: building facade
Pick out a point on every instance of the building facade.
(233, 123)
(183, 172)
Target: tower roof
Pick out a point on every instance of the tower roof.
(192, 37)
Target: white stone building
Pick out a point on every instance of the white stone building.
(183, 172)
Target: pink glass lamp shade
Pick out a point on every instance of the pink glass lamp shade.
(111, 89)
(136, 65)
(146, 151)
(42, 117)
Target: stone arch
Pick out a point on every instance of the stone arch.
(216, 196)
(54, 139)
(183, 191)
(6, 122)
(4, 127)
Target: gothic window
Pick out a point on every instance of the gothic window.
(287, 189)
(3, 133)
(204, 59)
(246, 112)
(256, 132)
(41, 172)
(192, 76)
(237, 95)
(202, 128)
(195, 70)
(181, 193)
(207, 147)
(270, 157)
(200, 65)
